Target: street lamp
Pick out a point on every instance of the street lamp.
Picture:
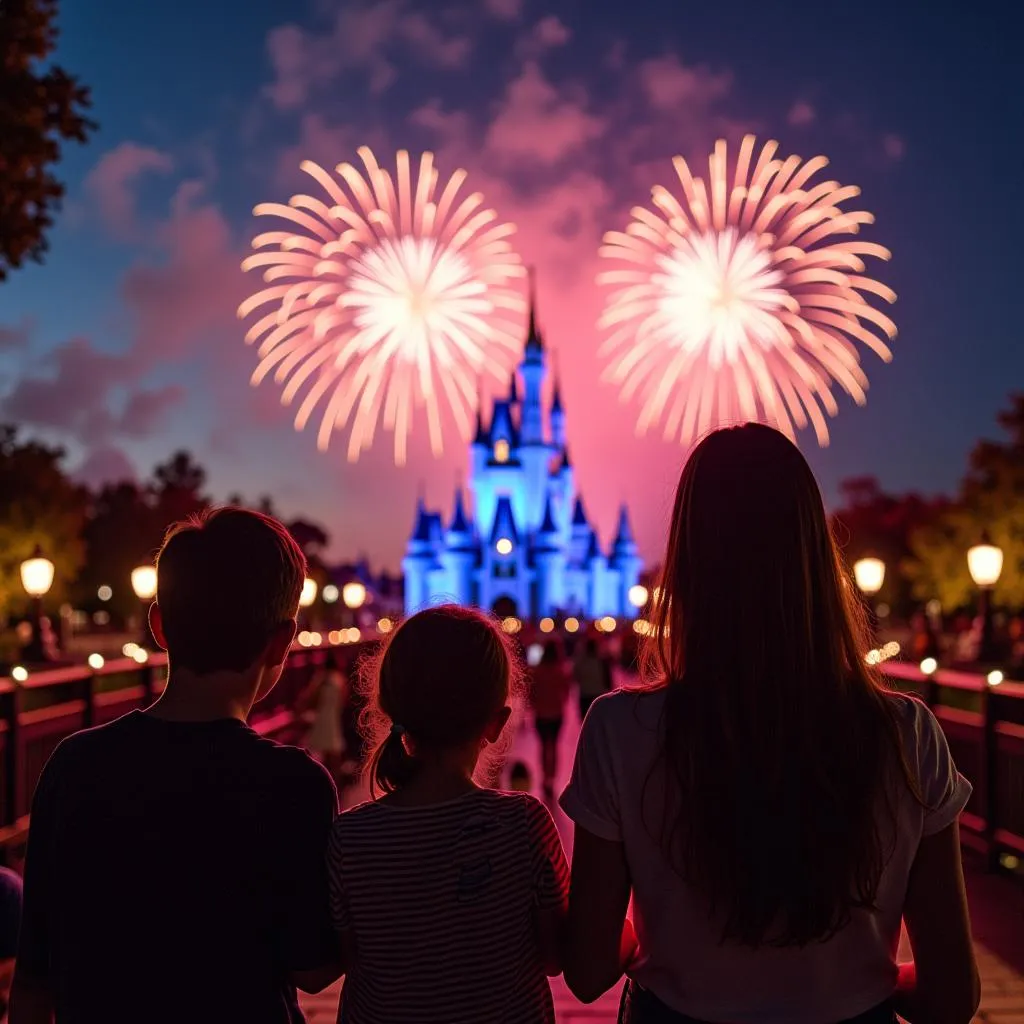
(985, 564)
(353, 596)
(309, 591)
(36, 578)
(638, 596)
(869, 574)
(144, 585)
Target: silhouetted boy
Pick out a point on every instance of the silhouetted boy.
(175, 864)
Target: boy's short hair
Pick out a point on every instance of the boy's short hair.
(227, 578)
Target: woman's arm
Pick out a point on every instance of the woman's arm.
(942, 985)
(599, 940)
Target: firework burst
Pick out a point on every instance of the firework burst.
(743, 301)
(386, 295)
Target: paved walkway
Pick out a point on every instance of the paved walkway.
(1002, 1000)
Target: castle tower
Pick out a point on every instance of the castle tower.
(418, 561)
(557, 415)
(626, 561)
(459, 554)
(549, 559)
(532, 371)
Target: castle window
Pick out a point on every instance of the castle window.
(504, 570)
(501, 450)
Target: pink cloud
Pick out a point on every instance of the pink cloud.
(91, 394)
(111, 184)
(105, 464)
(547, 34)
(800, 114)
(504, 10)
(190, 292)
(364, 37)
(668, 84)
(537, 122)
(145, 411)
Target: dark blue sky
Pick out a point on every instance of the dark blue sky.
(127, 346)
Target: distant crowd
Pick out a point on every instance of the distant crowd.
(753, 817)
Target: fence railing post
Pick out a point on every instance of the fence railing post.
(12, 760)
(990, 773)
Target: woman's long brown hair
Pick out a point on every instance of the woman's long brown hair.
(780, 746)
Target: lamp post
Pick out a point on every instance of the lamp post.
(144, 585)
(353, 594)
(985, 564)
(36, 578)
(869, 574)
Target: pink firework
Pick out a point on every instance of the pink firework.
(385, 295)
(744, 300)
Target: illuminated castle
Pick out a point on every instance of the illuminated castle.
(525, 547)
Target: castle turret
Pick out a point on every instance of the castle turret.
(532, 371)
(459, 555)
(419, 559)
(479, 450)
(626, 561)
(580, 534)
(557, 416)
(549, 560)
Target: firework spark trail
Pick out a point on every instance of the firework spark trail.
(384, 295)
(744, 300)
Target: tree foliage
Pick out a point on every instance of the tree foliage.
(991, 500)
(872, 523)
(40, 506)
(38, 110)
(126, 526)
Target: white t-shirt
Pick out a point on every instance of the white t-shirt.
(681, 958)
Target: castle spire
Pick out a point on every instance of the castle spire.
(624, 534)
(534, 341)
(460, 521)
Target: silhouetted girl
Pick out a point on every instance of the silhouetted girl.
(772, 808)
(448, 897)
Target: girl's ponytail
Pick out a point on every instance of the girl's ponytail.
(392, 765)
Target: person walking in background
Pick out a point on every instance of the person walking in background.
(448, 898)
(771, 807)
(326, 700)
(10, 925)
(176, 865)
(549, 690)
(592, 671)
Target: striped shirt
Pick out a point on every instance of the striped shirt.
(440, 904)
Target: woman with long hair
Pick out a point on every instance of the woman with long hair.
(773, 809)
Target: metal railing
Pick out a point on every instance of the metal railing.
(36, 713)
(984, 725)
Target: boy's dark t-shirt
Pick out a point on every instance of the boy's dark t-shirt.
(176, 872)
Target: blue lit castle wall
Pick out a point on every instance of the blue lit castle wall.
(525, 546)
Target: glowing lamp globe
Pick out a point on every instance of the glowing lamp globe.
(330, 594)
(144, 582)
(869, 574)
(985, 563)
(503, 546)
(638, 596)
(37, 574)
(354, 595)
(309, 592)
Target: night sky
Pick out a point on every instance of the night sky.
(125, 346)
